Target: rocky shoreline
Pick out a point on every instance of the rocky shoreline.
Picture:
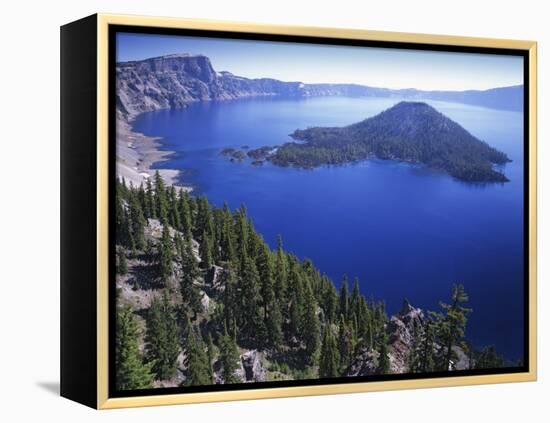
(136, 153)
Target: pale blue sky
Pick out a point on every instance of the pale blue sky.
(377, 67)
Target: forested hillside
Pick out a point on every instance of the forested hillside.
(202, 299)
(409, 131)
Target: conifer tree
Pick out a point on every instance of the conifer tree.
(330, 297)
(185, 215)
(295, 290)
(141, 199)
(293, 327)
(421, 359)
(275, 326)
(122, 267)
(229, 357)
(128, 233)
(197, 368)
(227, 242)
(355, 300)
(122, 222)
(231, 298)
(488, 358)
(280, 272)
(252, 324)
(310, 328)
(189, 293)
(160, 199)
(450, 326)
(165, 254)
(204, 224)
(329, 362)
(206, 251)
(162, 338)
(383, 357)
(131, 372)
(363, 323)
(150, 209)
(173, 211)
(241, 232)
(137, 222)
(345, 344)
(265, 269)
(344, 297)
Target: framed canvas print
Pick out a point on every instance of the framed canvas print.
(258, 211)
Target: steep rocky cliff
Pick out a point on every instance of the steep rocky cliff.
(176, 80)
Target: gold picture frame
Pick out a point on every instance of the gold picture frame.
(102, 22)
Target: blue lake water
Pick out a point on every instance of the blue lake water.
(403, 230)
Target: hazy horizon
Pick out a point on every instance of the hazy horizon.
(314, 64)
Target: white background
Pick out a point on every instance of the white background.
(29, 208)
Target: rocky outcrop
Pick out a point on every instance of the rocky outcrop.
(252, 369)
(176, 80)
(365, 364)
(402, 329)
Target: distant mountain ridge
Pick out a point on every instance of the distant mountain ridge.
(409, 131)
(175, 80)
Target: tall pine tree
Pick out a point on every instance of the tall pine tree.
(329, 362)
(162, 338)
(165, 255)
(229, 356)
(131, 372)
(198, 370)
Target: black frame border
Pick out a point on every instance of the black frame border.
(136, 29)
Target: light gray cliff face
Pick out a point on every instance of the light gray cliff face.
(176, 80)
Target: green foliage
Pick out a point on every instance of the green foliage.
(344, 297)
(271, 300)
(185, 215)
(450, 326)
(275, 326)
(265, 266)
(310, 328)
(198, 369)
(165, 255)
(345, 344)
(229, 357)
(150, 209)
(422, 355)
(383, 355)
(329, 362)
(189, 273)
(206, 251)
(122, 265)
(488, 358)
(329, 298)
(161, 208)
(408, 131)
(281, 272)
(162, 338)
(251, 323)
(131, 372)
(211, 355)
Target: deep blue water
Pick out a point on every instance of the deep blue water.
(403, 230)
